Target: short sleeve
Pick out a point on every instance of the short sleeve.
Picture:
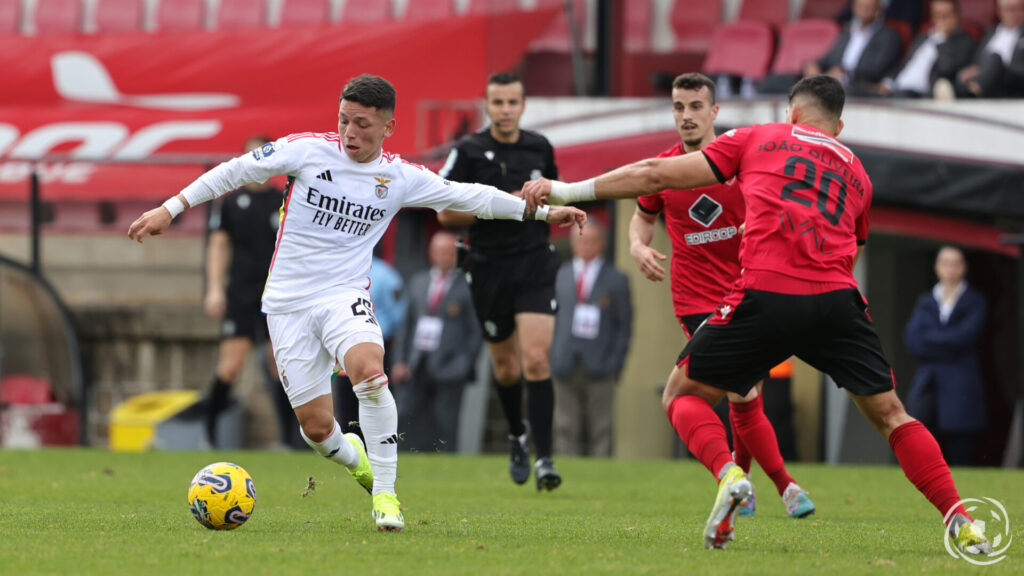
(725, 153)
(651, 203)
(550, 169)
(456, 167)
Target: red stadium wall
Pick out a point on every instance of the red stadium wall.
(131, 97)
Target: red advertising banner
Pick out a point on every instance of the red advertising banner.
(136, 97)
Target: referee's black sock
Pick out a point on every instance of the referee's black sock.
(511, 398)
(542, 414)
(219, 392)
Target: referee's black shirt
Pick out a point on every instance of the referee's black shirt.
(482, 159)
(251, 220)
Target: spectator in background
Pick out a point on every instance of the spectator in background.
(998, 69)
(243, 229)
(936, 54)
(389, 306)
(435, 351)
(947, 394)
(865, 52)
(592, 332)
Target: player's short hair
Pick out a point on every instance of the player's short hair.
(826, 91)
(370, 91)
(504, 79)
(694, 81)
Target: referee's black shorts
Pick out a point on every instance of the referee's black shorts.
(503, 286)
(243, 317)
(753, 330)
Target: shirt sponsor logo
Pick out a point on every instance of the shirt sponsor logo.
(709, 236)
(705, 211)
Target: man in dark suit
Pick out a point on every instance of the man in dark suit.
(865, 52)
(947, 395)
(435, 351)
(998, 69)
(938, 53)
(593, 326)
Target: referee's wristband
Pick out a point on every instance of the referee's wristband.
(569, 192)
(175, 206)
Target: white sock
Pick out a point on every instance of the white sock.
(378, 418)
(335, 447)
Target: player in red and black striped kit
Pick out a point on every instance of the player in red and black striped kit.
(807, 198)
(704, 226)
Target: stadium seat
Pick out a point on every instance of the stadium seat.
(822, 9)
(180, 15)
(241, 14)
(118, 16)
(637, 32)
(296, 13)
(556, 38)
(803, 41)
(774, 12)
(903, 29)
(58, 16)
(429, 10)
(741, 48)
(981, 11)
(367, 11)
(10, 16)
(693, 22)
(25, 389)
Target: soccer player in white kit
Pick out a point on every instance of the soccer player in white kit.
(343, 190)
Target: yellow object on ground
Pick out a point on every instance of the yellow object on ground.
(133, 422)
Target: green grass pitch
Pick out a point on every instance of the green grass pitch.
(97, 512)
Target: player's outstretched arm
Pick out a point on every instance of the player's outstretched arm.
(566, 216)
(643, 177)
(154, 222)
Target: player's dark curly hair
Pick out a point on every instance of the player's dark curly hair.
(694, 81)
(370, 91)
(826, 90)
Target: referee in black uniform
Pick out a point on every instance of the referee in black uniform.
(243, 233)
(511, 270)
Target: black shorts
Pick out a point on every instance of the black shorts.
(691, 322)
(505, 286)
(243, 318)
(754, 330)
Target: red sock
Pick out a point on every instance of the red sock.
(740, 453)
(750, 424)
(922, 462)
(699, 426)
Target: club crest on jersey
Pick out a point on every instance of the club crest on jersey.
(381, 190)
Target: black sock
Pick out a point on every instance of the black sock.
(511, 398)
(542, 413)
(286, 420)
(219, 392)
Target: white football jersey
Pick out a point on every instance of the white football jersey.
(335, 211)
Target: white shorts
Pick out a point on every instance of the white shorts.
(307, 342)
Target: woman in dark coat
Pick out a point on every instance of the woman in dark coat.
(947, 394)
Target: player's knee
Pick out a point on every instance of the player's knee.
(536, 363)
(317, 427)
(506, 370)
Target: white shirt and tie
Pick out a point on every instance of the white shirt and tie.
(586, 318)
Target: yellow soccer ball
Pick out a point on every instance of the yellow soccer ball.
(222, 496)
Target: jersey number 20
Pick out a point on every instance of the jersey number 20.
(810, 182)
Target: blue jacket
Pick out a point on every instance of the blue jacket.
(947, 393)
